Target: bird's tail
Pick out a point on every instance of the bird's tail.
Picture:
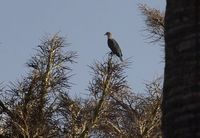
(121, 59)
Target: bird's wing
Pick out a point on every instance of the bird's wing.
(114, 46)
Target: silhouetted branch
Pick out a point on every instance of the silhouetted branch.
(154, 20)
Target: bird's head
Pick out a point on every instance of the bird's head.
(108, 34)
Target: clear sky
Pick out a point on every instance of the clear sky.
(83, 22)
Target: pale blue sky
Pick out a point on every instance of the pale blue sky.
(83, 22)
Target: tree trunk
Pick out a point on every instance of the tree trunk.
(181, 94)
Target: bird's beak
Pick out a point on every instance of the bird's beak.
(105, 34)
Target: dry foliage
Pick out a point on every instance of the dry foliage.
(154, 20)
(112, 109)
(39, 105)
(29, 106)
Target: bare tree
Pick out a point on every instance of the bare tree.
(109, 82)
(154, 20)
(112, 109)
(30, 105)
(88, 117)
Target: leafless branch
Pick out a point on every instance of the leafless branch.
(154, 20)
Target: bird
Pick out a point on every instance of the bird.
(113, 45)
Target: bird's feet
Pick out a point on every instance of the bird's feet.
(111, 54)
